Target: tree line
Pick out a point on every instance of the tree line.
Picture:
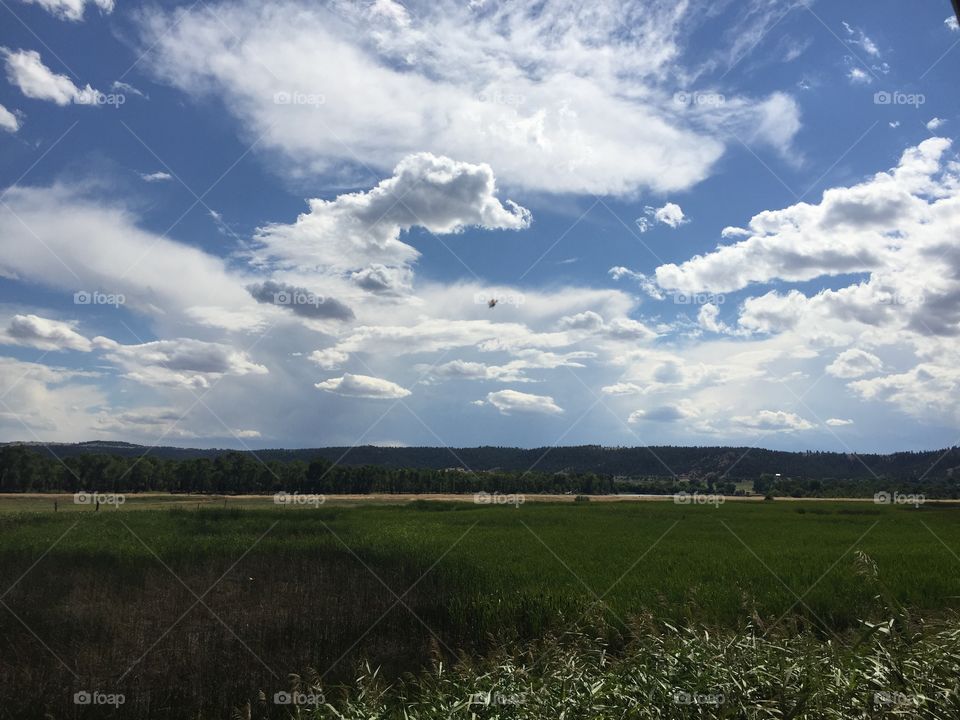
(26, 469)
(23, 469)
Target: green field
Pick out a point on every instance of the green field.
(298, 590)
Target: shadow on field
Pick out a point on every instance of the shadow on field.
(101, 627)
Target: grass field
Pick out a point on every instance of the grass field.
(108, 594)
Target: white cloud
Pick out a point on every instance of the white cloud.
(927, 392)
(683, 410)
(838, 422)
(45, 402)
(620, 328)
(183, 362)
(849, 231)
(362, 229)
(854, 363)
(329, 359)
(771, 421)
(26, 70)
(951, 23)
(513, 371)
(158, 176)
(509, 402)
(935, 124)
(363, 386)
(128, 89)
(71, 9)
(167, 280)
(708, 318)
(859, 76)
(670, 215)
(43, 334)
(555, 100)
(859, 37)
(9, 122)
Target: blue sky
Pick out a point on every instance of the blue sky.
(225, 224)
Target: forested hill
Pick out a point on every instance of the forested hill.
(666, 462)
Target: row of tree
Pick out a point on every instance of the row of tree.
(25, 469)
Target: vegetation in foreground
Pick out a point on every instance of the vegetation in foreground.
(886, 671)
(323, 589)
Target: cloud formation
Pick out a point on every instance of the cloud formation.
(509, 402)
(560, 99)
(72, 9)
(364, 386)
(26, 70)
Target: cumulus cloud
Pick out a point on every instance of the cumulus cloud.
(358, 230)
(554, 100)
(926, 392)
(935, 124)
(684, 410)
(363, 386)
(771, 421)
(670, 215)
(72, 9)
(512, 371)
(509, 402)
(44, 334)
(854, 363)
(847, 232)
(859, 76)
(300, 301)
(951, 23)
(329, 359)
(47, 402)
(618, 328)
(382, 280)
(838, 422)
(158, 176)
(183, 362)
(709, 318)
(9, 122)
(26, 70)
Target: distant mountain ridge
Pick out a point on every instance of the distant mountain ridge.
(657, 461)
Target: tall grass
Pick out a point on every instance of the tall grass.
(315, 590)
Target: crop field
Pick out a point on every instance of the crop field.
(192, 612)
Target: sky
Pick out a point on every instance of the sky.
(300, 224)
